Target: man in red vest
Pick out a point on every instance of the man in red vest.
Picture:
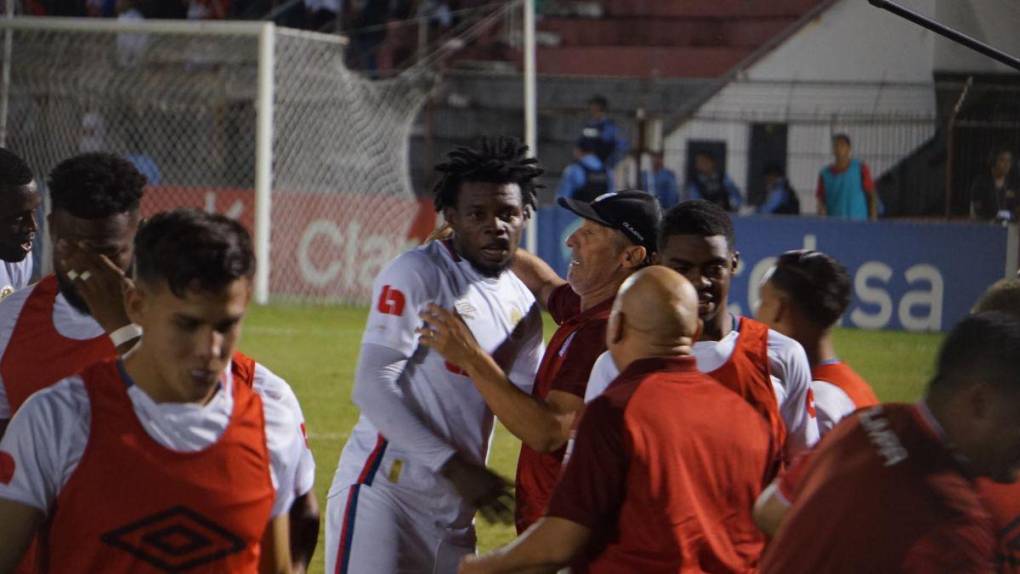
(666, 463)
(803, 297)
(167, 459)
(76, 316)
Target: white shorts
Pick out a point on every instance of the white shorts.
(372, 529)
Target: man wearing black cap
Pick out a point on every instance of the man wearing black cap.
(618, 236)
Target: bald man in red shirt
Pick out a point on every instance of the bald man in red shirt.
(893, 488)
(667, 461)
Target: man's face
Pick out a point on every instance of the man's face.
(704, 164)
(17, 221)
(487, 224)
(993, 444)
(707, 263)
(596, 255)
(1003, 163)
(110, 236)
(841, 150)
(770, 307)
(189, 339)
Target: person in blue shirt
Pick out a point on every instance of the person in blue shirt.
(780, 198)
(611, 146)
(587, 177)
(845, 188)
(661, 182)
(708, 182)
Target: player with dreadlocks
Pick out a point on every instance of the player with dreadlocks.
(412, 473)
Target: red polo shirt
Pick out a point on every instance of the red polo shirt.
(665, 470)
(566, 366)
(881, 493)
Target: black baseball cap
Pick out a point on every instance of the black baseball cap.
(633, 212)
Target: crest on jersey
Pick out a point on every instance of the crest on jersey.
(465, 309)
(515, 316)
(6, 291)
(175, 540)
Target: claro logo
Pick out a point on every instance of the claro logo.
(353, 258)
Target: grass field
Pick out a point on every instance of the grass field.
(316, 348)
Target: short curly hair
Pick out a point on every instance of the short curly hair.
(193, 251)
(13, 170)
(697, 217)
(498, 160)
(96, 185)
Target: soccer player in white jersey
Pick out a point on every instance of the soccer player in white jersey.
(167, 459)
(412, 474)
(768, 369)
(18, 203)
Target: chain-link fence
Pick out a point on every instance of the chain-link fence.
(181, 102)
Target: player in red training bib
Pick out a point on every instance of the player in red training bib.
(167, 460)
(892, 487)
(767, 368)
(666, 463)
(803, 297)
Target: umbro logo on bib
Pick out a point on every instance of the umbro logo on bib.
(175, 540)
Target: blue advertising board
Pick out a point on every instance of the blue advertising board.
(914, 276)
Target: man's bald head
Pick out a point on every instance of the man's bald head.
(655, 314)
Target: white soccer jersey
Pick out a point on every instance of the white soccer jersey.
(788, 367)
(831, 405)
(14, 276)
(505, 320)
(47, 437)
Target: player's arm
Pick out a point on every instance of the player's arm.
(18, 523)
(549, 545)
(304, 530)
(820, 196)
(869, 191)
(788, 362)
(537, 275)
(543, 425)
(770, 509)
(274, 555)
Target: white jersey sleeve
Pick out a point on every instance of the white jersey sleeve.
(44, 443)
(791, 372)
(399, 294)
(286, 446)
(268, 384)
(10, 310)
(529, 357)
(831, 405)
(603, 372)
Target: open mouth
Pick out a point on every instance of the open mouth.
(496, 251)
(26, 244)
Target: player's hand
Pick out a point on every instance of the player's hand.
(99, 282)
(441, 234)
(485, 490)
(447, 333)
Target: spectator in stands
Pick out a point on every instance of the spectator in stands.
(780, 198)
(994, 194)
(369, 33)
(708, 182)
(845, 188)
(612, 147)
(587, 177)
(319, 14)
(661, 182)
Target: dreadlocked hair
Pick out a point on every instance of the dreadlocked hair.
(499, 160)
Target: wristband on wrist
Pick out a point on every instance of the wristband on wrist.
(126, 333)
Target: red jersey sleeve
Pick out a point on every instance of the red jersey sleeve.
(866, 181)
(593, 484)
(563, 303)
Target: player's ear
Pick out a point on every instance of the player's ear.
(134, 302)
(734, 261)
